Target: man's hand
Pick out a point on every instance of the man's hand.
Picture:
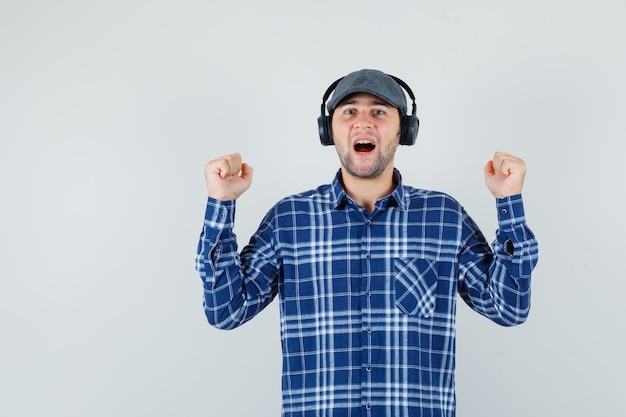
(504, 175)
(227, 177)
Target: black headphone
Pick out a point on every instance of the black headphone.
(409, 124)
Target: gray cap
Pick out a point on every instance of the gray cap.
(369, 81)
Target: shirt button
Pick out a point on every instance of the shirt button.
(367, 293)
(504, 211)
(368, 222)
(368, 369)
(368, 407)
(369, 330)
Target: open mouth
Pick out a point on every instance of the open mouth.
(364, 146)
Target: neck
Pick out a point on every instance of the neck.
(367, 191)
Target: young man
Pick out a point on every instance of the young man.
(367, 269)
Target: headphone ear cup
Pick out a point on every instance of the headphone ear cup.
(324, 125)
(409, 128)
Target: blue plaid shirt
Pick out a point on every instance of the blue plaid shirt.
(367, 300)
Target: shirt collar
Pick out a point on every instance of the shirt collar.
(339, 197)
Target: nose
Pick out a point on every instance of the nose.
(363, 120)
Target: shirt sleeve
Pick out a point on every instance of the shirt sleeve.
(236, 287)
(495, 280)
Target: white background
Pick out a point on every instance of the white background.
(109, 111)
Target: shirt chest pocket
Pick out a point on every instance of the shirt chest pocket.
(416, 286)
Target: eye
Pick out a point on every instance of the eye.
(379, 112)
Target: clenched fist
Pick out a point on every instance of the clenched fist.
(227, 177)
(504, 175)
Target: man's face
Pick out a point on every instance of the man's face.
(366, 132)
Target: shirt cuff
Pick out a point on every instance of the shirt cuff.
(510, 211)
(218, 217)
